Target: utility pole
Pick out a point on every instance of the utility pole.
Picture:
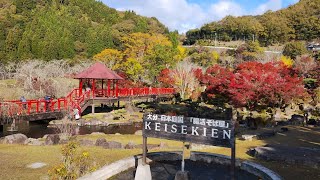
(253, 37)
(215, 40)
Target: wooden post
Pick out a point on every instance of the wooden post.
(80, 87)
(182, 161)
(116, 84)
(93, 88)
(113, 88)
(144, 151)
(233, 161)
(109, 82)
(92, 107)
(233, 145)
(37, 108)
(102, 88)
(59, 104)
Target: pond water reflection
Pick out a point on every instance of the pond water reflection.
(39, 129)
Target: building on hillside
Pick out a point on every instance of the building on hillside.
(314, 47)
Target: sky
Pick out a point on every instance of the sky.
(183, 15)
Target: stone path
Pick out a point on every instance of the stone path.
(290, 155)
(36, 165)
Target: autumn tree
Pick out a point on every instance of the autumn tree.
(65, 29)
(248, 51)
(294, 49)
(111, 57)
(182, 78)
(254, 85)
(145, 55)
(203, 56)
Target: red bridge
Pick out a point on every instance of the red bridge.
(97, 85)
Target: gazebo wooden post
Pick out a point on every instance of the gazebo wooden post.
(109, 82)
(93, 95)
(117, 92)
(102, 88)
(113, 88)
(116, 84)
(80, 86)
(93, 88)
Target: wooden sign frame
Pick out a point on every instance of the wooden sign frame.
(218, 131)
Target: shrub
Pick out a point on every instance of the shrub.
(249, 51)
(74, 164)
(287, 61)
(294, 49)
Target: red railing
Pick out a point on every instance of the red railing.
(75, 99)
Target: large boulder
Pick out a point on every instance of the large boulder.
(130, 145)
(97, 133)
(34, 142)
(265, 135)
(248, 137)
(112, 145)
(52, 139)
(65, 136)
(296, 119)
(312, 122)
(108, 116)
(86, 142)
(15, 139)
(100, 141)
(139, 132)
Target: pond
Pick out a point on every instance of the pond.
(39, 129)
(166, 170)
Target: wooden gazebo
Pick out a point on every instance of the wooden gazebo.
(99, 75)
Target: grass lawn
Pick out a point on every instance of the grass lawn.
(14, 158)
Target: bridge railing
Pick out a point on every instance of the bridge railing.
(17, 107)
(74, 100)
(125, 92)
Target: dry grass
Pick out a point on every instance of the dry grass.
(10, 85)
(14, 158)
(65, 85)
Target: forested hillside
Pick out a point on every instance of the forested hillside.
(297, 22)
(61, 29)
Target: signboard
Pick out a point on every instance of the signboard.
(216, 132)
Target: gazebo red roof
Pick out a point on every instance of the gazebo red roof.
(98, 71)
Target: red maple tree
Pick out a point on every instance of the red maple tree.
(253, 84)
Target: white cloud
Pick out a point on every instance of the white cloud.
(270, 5)
(176, 14)
(223, 8)
(183, 15)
